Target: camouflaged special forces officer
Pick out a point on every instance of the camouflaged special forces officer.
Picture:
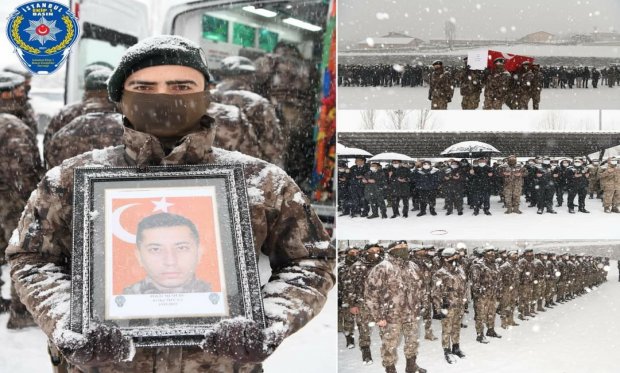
(160, 84)
(393, 295)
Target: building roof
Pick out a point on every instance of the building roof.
(522, 144)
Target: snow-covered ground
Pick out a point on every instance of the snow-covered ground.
(417, 98)
(528, 225)
(580, 336)
(312, 349)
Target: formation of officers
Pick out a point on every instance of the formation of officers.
(260, 108)
(364, 188)
(394, 287)
(515, 90)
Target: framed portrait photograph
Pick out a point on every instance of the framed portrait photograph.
(163, 252)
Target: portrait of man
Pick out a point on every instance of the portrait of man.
(168, 249)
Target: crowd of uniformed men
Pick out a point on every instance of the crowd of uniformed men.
(514, 89)
(259, 108)
(395, 287)
(364, 188)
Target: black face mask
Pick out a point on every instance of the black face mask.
(402, 253)
(164, 115)
(373, 257)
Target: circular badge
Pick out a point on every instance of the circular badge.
(42, 33)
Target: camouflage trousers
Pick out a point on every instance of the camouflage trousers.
(11, 208)
(536, 100)
(471, 102)
(362, 319)
(551, 290)
(507, 304)
(539, 292)
(484, 308)
(451, 327)
(512, 195)
(526, 297)
(523, 101)
(439, 104)
(390, 338)
(348, 321)
(611, 198)
(561, 289)
(491, 103)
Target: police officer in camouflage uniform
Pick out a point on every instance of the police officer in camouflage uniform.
(595, 180)
(537, 86)
(512, 174)
(350, 256)
(497, 86)
(441, 89)
(238, 80)
(394, 295)
(539, 282)
(551, 279)
(425, 263)
(448, 294)
(526, 284)
(94, 130)
(357, 276)
(95, 100)
(19, 174)
(610, 184)
(471, 83)
(14, 99)
(485, 291)
(509, 275)
(284, 226)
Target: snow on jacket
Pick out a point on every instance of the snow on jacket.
(284, 227)
(427, 179)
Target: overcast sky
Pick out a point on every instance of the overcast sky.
(489, 120)
(475, 19)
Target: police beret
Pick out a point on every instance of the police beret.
(18, 69)
(156, 51)
(448, 252)
(97, 66)
(8, 81)
(498, 59)
(396, 243)
(97, 80)
(437, 62)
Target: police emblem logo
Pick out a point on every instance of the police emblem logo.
(42, 33)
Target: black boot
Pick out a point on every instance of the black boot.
(491, 333)
(4, 305)
(571, 210)
(421, 213)
(482, 339)
(432, 211)
(390, 369)
(449, 212)
(583, 209)
(540, 211)
(394, 216)
(344, 214)
(373, 216)
(350, 342)
(487, 212)
(384, 215)
(460, 212)
(412, 367)
(551, 210)
(476, 211)
(366, 356)
(448, 355)
(456, 349)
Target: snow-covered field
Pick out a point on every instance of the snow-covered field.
(580, 336)
(417, 98)
(312, 349)
(528, 225)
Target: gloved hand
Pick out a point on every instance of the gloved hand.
(241, 340)
(439, 315)
(102, 344)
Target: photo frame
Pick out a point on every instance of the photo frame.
(163, 252)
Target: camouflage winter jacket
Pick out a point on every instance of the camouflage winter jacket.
(22, 110)
(93, 102)
(357, 277)
(610, 178)
(526, 268)
(539, 271)
(550, 271)
(262, 118)
(85, 133)
(20, 172)
(285, 78)
(284, 228)
(509, 274)
(394, 291)
(449, 288)
(233, 132)
(484, 280)
(498, 84)
(426, 273)
(512, 175)
(441, 86)
(471, 82)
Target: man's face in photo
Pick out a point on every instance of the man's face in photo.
(169, 255)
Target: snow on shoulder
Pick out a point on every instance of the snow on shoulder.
(255, 182)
